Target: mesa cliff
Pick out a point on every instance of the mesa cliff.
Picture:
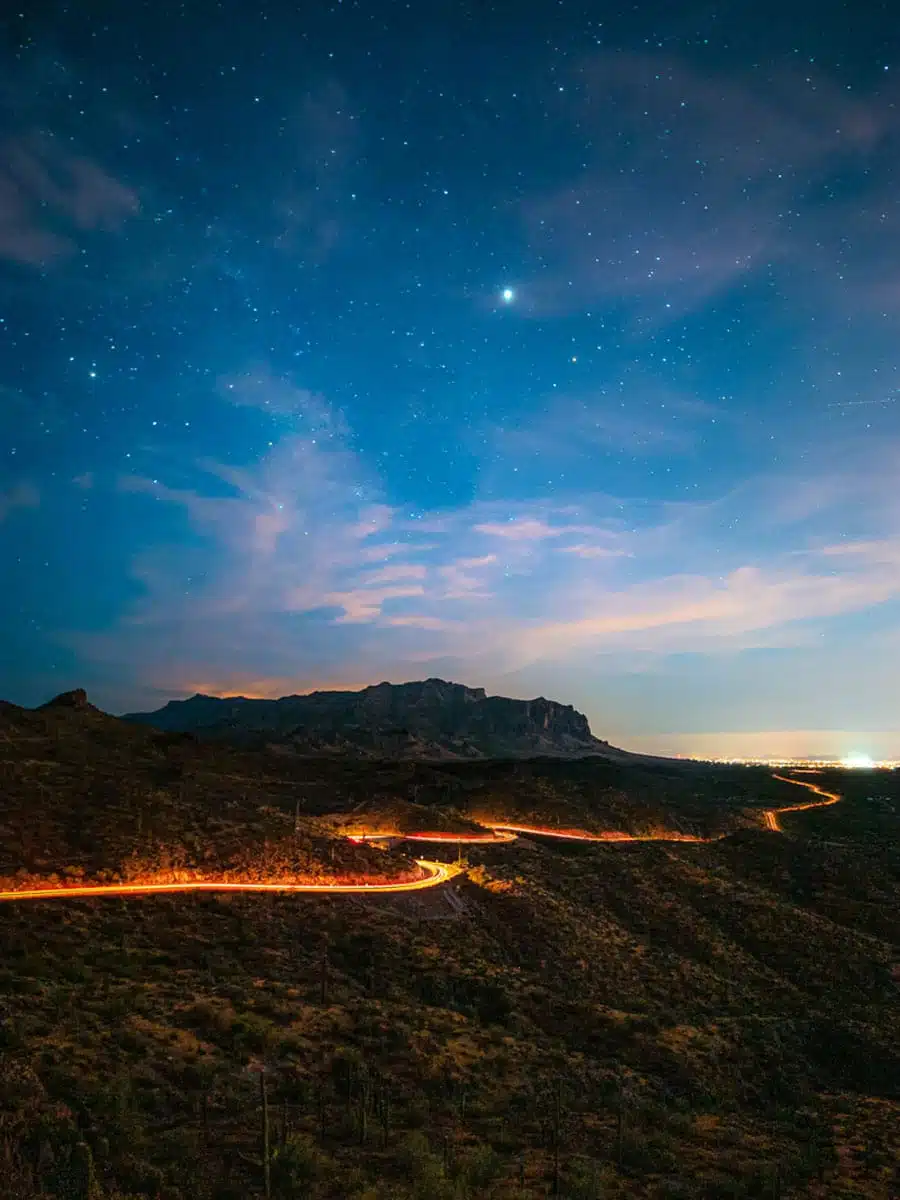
(430, 719)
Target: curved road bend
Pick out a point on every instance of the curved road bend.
(772, 814)
(437, 873)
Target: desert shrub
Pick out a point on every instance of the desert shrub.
(298, 1164)
(423, 1167)
(11, 1038)
(208, 1016)
(587, 1180)
(494, 1005)
(479, 1167)
(251, 1032)
(649, 1151)
(132, 1042)
(417, 1111)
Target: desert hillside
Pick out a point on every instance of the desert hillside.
(652, 1019)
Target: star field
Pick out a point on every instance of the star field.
(545, 348)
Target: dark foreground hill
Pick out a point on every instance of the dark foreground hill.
(640, 1020)
(88, 797)
(431, 719)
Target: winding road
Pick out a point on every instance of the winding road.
(437, 873)
(772, 814)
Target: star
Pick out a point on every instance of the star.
(507, 295)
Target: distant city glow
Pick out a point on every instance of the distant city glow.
(853, 761)
(861, 761)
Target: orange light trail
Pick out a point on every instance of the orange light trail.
(468, 839)
(772, 814)
(504, 833)
(437, 873)
(575, 835)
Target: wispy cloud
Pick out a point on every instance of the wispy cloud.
(22, 495)
(259, 388)
(632, 414)
(583, 550)
(465, 578)
(367, 604)
(326, 138)
(49, 196)
(420, 621)
(298, 560)
(393, 574)
(666, 221)
(656, 613)
(528, 529)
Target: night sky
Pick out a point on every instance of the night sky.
(547, 347)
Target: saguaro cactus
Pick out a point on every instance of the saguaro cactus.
(323, 976)
(266, 1157)
(557, 1134)
(83, 1175)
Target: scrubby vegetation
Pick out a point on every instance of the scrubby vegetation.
(89, 798)
(641, 1020)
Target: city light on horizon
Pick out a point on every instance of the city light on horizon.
(858, 762)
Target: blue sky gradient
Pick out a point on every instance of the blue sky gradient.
(543, 355)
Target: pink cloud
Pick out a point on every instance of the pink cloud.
(420, 621)
(384, 551)
(887, 550)
(528, 530)
(496, 586)
(395, 573)
(672, 612)
(483, 560)
(365, 604)
(583, 550)
(377, 518)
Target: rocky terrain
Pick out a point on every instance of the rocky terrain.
(431, 719)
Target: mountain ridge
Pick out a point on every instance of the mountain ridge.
(430, 718)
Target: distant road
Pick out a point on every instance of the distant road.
(577, 835)
(772, 814)
(465, 839)
(508, 833)
(438, 873)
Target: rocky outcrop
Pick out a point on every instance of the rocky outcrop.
(428, 719)
(76, 699)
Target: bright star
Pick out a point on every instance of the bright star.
(508, 295)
